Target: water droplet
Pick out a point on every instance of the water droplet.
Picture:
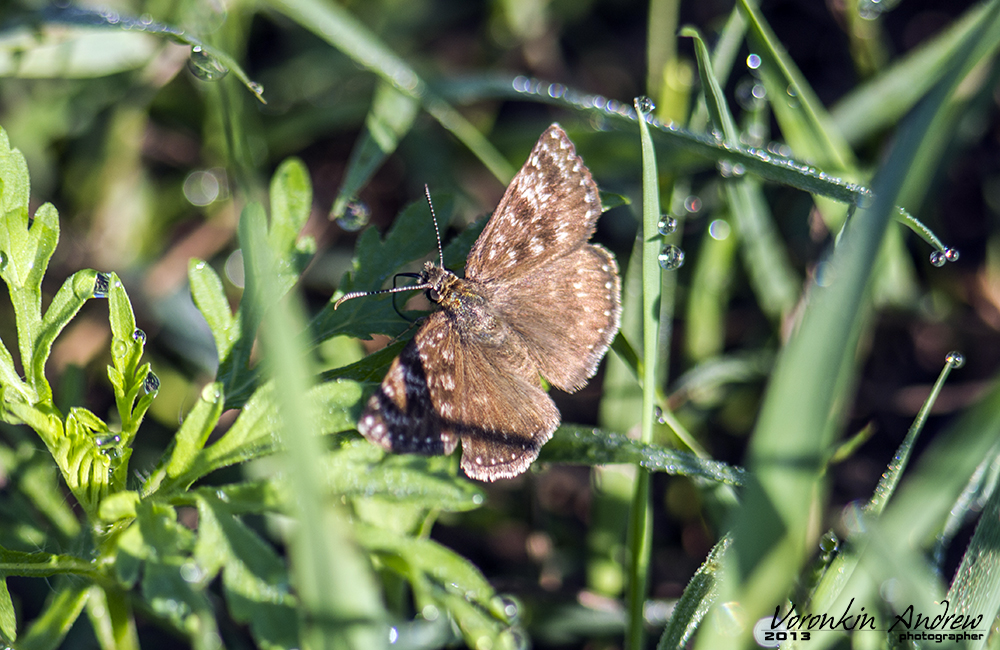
(477, 499)
(644, 104)
(739, 169)
(667, 225)
(110, 439)
(753, 61)
(719, 229)
(119, 348)
(393, 635)
(151, 383)
(140, 336)
(256, 88)
(951, 254)
(102, 285)
(870, 9)
(3, 260)
(955, 359)
(205, 66)
(356, 216)
(829, 542)
(671, 258)
(938, 258)
(725, 168)
(510, 608)
(692, 204)
(211, 392)
(222, 496)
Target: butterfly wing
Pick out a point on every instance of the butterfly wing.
(439, 390)
(400, 416)
(549, 209)
(583, 284)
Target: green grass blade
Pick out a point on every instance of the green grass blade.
(342, 30)
(578, 444)
(334, 581)
(390, 118)
(771, 274)
(882, 100)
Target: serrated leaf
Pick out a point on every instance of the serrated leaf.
(291, 201)
(441, 576)
(253, 576)
(589, 446)
(359, 469)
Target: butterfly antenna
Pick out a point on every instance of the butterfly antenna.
(358, 294)
(437, 231)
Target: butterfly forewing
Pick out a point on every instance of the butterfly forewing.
(549, 209)
(582, 286)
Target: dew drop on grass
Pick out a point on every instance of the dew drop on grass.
(355, 217)
(753, 61)
(951, 254)
(670, 258)
(139, 336)
(205, 66)
(102, 285)
(719, 229)
(667, 225)
(829, 542)
(119, 348)
(644, 104)
(955, 359)
(151, 383)
(938, 258)
(110, 439)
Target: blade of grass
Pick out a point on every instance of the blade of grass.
(334, 581)
(342, 30)
(640, 525)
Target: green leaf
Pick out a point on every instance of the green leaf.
(210, 298)
(291, 201)
(694, 603)
(359, 469)
(253, 576)
(57, 52)
(389, 119)
(194, 432)
(252, 435)
(441, 577)
(8, 622)
(61, 611)
(74, 292)
(42, 565)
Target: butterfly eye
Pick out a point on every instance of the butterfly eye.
(434, 295)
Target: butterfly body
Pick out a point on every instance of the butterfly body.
(537, 300)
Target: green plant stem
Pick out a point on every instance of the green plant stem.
(640, 525)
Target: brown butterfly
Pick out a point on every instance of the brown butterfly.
(537, 300)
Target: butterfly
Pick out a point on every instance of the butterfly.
(537, 300)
